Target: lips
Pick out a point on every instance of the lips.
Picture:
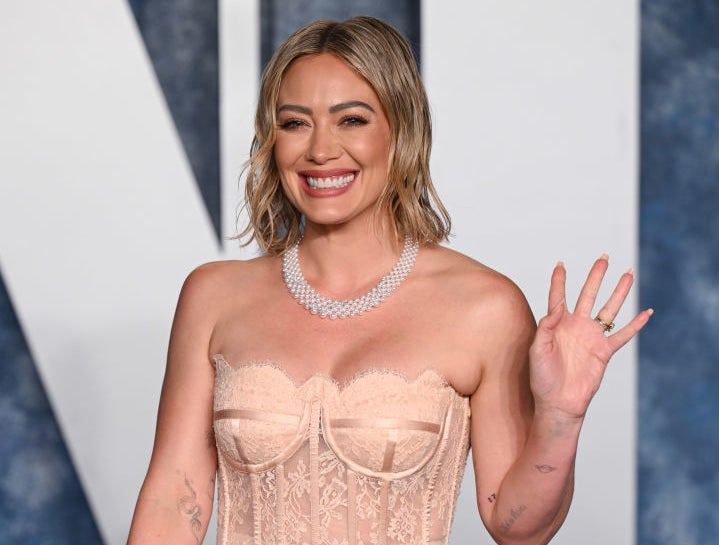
(328, 182)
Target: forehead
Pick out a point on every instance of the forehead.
(322, 78)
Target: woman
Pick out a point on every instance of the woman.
(346, 418)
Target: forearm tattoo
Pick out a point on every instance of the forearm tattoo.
(189, 507)
(514, 514)
(544, 468)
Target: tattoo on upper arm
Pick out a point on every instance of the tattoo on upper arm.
(491, 498)
(544, 468)
(514, 515)
(190, 508)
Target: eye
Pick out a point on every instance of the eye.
(354, 120)
(291, 124)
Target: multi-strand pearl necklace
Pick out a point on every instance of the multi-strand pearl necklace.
(317, 303)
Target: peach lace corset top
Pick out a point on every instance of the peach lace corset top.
(377, 460)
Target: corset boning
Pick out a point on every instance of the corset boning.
(375, 461)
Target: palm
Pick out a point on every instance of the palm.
(570, 350)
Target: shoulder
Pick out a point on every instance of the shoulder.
(475, 288)
(215, 278)
(209, 287)
(209, 293)
(488, 310)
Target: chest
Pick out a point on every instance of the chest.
(379, 420)
(405, 333)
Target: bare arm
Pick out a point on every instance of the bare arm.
(531, 403)
(175, 502)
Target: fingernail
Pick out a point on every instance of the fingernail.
(604, 256)
(631, 271)
(560, 264)
(650, 311)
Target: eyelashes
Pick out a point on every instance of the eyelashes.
(290, 124)
(348, 121)
(354, 120)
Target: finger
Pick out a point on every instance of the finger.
(611, 308)
(557, 294)
(588, 295)
(624, 335)
(553, 317)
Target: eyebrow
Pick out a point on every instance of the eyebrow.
(333, 109)
(294, 108)
(351, 104)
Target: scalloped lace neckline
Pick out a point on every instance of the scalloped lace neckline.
(341, 385)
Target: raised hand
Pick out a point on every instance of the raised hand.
(571, 350)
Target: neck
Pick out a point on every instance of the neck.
(344, 261)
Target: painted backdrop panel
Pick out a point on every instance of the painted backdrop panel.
(679, 357)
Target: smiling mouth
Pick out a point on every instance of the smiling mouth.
(332, 182)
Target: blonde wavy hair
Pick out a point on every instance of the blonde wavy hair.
(382, 56)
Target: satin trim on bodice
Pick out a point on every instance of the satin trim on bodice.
(373, 460)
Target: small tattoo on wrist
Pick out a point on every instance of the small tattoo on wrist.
(492, 498)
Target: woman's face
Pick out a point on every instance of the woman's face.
(333, 138)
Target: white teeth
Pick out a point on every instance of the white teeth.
(334, 182)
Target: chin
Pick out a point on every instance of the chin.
(333, 217)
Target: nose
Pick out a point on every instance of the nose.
(323, 145)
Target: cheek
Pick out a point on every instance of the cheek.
(379, 152)
(280, 155)
(283, 164)
(287, 190)
(372, 150)
(285, 152)
(381, 145)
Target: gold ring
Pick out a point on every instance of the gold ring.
(607, 327)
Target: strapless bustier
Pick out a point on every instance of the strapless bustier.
(375, 461)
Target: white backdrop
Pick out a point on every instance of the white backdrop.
(100, 220)
(535, 117)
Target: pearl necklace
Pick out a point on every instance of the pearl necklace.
(317, 303)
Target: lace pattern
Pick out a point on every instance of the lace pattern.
(374, 461)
